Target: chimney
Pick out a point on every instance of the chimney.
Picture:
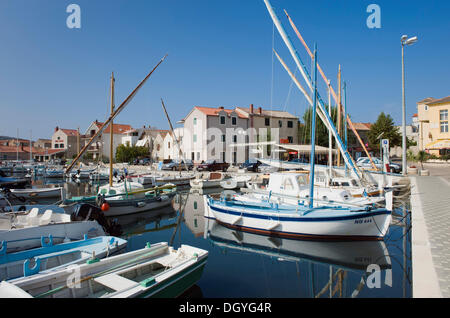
(56, 129)
(260, 110)
(251, 108)
(221, 108)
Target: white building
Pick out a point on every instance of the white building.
(230, 135)
(101, 146)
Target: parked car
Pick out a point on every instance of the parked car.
(142, 161)
(250, 165)
(175, 165)
(213, 165)
(365, 163)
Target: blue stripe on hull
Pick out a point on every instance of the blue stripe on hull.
(302, 219)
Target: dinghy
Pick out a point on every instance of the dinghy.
(51, 257)
(155, 271)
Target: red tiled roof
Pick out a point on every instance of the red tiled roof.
(210, 111)
(118, 128)
(69, 132)
(440, 101)
(434, 101)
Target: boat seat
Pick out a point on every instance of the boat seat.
(32, 217)
(115, 282)
(215, 176)
(46, 217)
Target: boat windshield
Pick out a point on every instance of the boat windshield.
(303, 179)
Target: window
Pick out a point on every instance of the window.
(267, 121)
(168, 145)
(443, 116)
(291, 139)
(280, 123)
(56, 146)
(223, 138)
(290, 124)
(195, 121)
(288, 185)
(222, 120)
(223, 156)
(198, 155)
(235, 138)
(195, 138)
(233, 121)
(426, 107)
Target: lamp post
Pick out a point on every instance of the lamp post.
(405, 41)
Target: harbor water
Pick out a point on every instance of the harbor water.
(244, 265)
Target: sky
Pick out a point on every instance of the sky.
(219, 54)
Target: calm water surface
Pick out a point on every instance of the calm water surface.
(249, 265)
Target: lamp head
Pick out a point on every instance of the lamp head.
(404, 37)
(411, 40)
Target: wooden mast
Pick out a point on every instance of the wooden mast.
(350, 123)
(339, 115)
(111, 134)
(173, 133)
(116, 112)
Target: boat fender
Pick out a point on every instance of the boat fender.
(105, 207)
(29, 271)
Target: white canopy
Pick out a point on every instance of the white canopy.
(307, 149)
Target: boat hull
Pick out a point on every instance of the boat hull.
(360, 226)
(28, 238)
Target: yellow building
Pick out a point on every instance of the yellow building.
(434, 135)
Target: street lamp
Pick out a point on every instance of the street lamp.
(405, 41)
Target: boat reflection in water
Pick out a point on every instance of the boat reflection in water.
(145, 222)
(328, 262)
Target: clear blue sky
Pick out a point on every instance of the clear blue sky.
(220, 54)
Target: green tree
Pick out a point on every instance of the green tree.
(321, 129)
(385, 125)
(125, 153)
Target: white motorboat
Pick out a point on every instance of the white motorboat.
(293, 188)
(235, 182)
(38, 193)
(128, 198)
(210, 180)
(157, 271)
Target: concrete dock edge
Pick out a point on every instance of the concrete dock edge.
(424, 277)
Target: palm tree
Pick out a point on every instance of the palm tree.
(421, 157)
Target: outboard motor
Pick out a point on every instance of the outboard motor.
(89, 212)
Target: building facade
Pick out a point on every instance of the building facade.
(434, 135)
(235, 135)
(67, 140)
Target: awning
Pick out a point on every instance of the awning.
(141, 143)
(307, 149)
(438, 144)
